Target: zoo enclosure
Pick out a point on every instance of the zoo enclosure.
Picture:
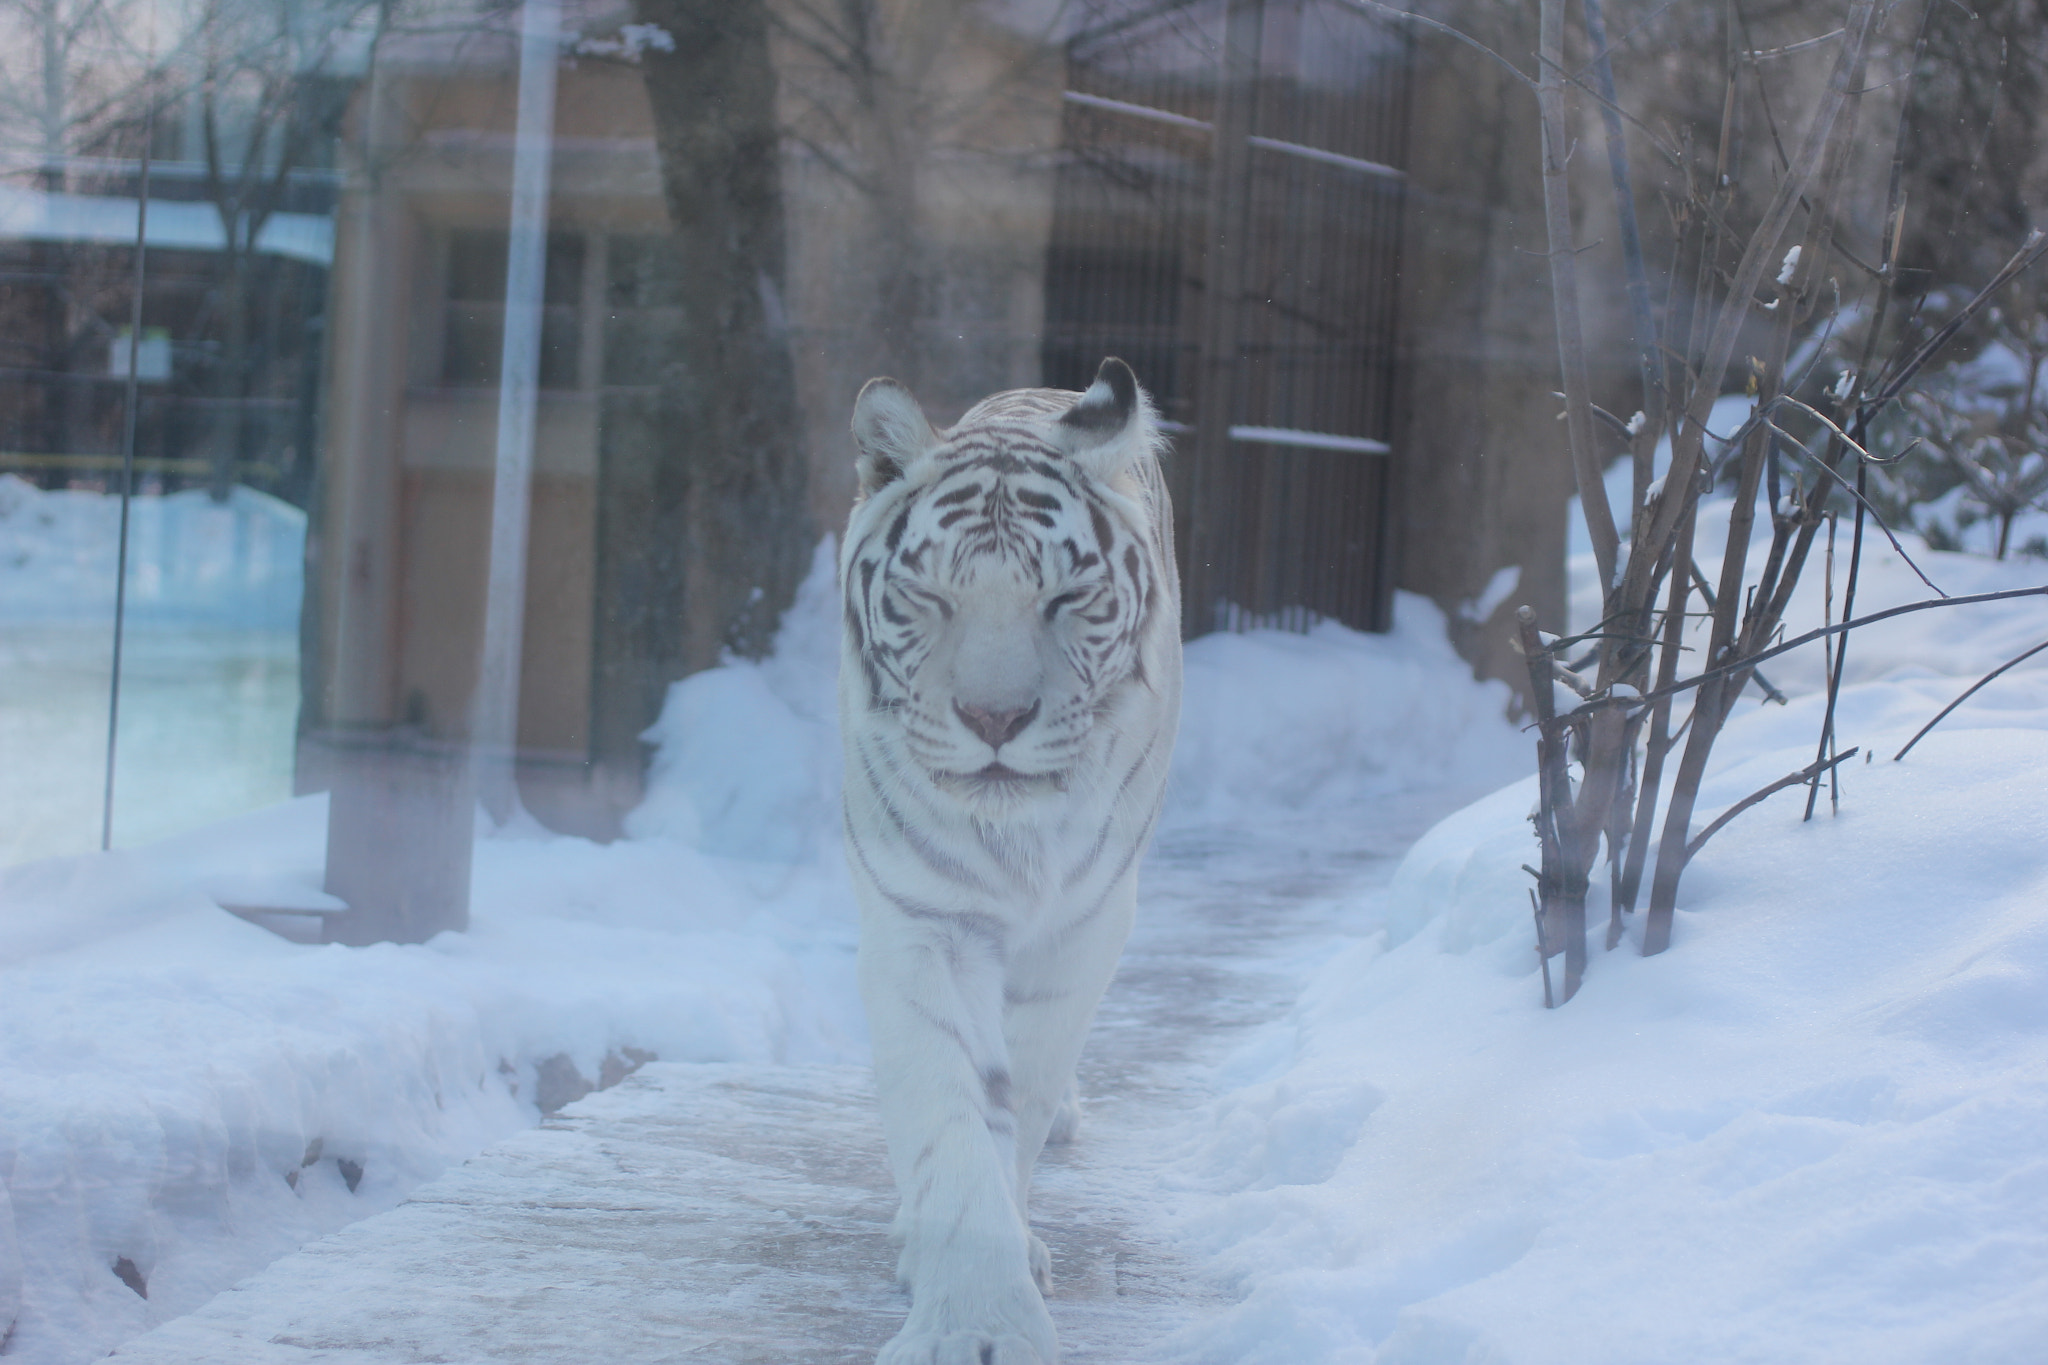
(1227, 217)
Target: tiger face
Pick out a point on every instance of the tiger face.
(999, 580)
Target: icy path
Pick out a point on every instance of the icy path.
(738, 1214)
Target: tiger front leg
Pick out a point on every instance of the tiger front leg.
(1053, 983)
(934, 996)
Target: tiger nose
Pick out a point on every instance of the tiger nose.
(996, 728)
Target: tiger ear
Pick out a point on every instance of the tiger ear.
(1112, 424)
(890, 430)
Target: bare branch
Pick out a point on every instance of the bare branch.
(1806, 774)
(1751, 661)
(1706, 589)
(1376, 7)
(1866, 505)
(1831, 425)
(1761, 252)
(2030, 251)
(1542, 949)
(1571, 679)
(1790, 48)
(1607, 418)
(1606, 102)
(2017, 659)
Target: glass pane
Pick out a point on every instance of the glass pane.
(474, 342)
(56, 662)
(332, 470)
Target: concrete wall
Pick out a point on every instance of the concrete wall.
(402, 527)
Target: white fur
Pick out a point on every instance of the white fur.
(993, 910)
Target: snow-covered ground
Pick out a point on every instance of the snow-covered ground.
(210, 663)
(186, 1095)
(1810, 1131)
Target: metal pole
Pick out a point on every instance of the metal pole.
(1209, 567)
(131, 400)
(495, 732)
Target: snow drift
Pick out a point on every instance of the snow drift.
(1808, 1132)
(191, 560)
(210, 662)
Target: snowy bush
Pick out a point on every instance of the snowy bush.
(1752, 301)
(1969, 450)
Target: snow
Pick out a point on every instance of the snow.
(1498, 589)
(1799, 1135)
(191, 561)
(1809, 1131)
(1275, 724)
(210, 690)
(41, 215)
(1965, 519)
(1788, 265)
(167, 1067)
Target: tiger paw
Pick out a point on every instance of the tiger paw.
(1041, 1264)
(961, 1348)
(975, 1325)
(1066, 1120)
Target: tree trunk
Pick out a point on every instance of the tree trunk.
(703, 528)
(232, 378)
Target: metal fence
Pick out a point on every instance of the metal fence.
(1227, 218)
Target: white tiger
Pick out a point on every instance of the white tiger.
(1009, 688)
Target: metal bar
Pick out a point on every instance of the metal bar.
(131, 403)
(1387, 488)
(1211, 565)
(159, 170)
(1310, 440)
(1143, 111)
(1349, 163)
(1269, 144)
(12, 459)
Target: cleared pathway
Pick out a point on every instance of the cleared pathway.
(739, 1214)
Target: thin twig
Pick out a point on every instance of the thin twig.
(1829, 422)
(1827, 601)
(1789, 48)
(1827, 333)
(1707, 591)
(2030, 251)
(1565, 642)
(1445, 29)
(1788, 646)
(1542, 950)
(1570, 679)
(2022, 658)
(1827, 723)
(1866, 505)
(1806, 774)
(1629, 33)
(1763, 94)
(1762, 249)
